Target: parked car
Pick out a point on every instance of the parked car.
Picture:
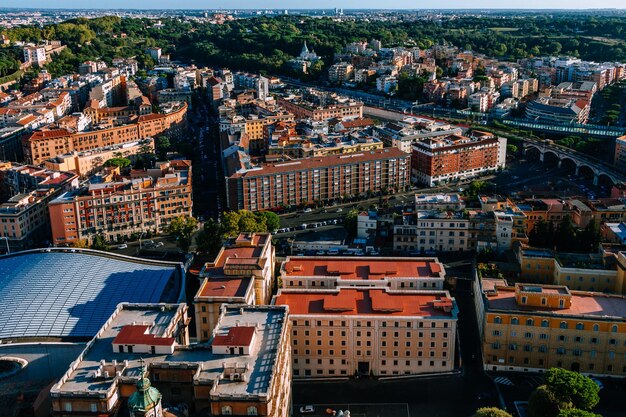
(122, 246)
(158, 244)
(307, 409)
(307, 210)
(339, 210)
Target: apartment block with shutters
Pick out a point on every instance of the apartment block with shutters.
(368, 316)
(532, 327)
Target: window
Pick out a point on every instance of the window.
(252, 411)
(514, 321)
(68, 406)
(93, 407)
(227, 410)
(580, 326)
(563, 325)
(614, 328)
(545, 323)
(596, 328)
(530, 322)
(498, 320)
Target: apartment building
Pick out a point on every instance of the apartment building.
(556, 110)
(303, 109)
(395, 273)
(532, 327)
(370, 331)
(87, 162)
(340, 72)
(317, 179)
(245, 369)
(35, 55)
(44, 144)
(603, 272)
(212, 295)
(117, 207)
(248, 256)
(26, 192)
(439, 202)
(433, 230)
(457, 157)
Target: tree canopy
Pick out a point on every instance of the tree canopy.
(183, 227)
(491, 412)
(235, 222)
(564, 392)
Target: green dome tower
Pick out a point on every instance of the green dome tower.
(146, 401)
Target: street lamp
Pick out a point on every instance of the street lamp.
(6, 239)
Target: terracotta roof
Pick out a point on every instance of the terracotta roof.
(322, 162)
(582, 303)
(363, 268)
(138, 335)
(237, 336)
(48, 134)
(151, 116)
(355, 301)
(224, 287)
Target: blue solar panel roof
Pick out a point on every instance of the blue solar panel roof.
(58, 294)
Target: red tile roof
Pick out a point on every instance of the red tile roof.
(237, 336)
(323, 162)
(373, 302)
(363, 268)
(138, 335)
(224, 287)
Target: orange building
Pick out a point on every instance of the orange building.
(360, 331)
(305, 110)
(45, 144)
(531, 327)
(147, 201)
(248, 256)
(437, 160)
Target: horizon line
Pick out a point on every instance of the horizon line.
(329, 8)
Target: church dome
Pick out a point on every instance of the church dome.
(145, 398)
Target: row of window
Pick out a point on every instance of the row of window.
(396, 324)
(546, 323)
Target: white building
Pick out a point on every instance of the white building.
(387, 84)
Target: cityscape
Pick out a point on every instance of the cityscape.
(284, 211)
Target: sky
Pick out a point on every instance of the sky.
(328, 4)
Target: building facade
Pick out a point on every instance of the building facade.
(318, 179)
(147, 201)
(457, 157)
(531, 327)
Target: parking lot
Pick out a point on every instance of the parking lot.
(356, 410)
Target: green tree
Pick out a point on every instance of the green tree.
(575, 412)
(351, 221)
(272, 221)
(162, 145)
(235, 222)
(573, 388)
(118, 162)
(99, 243)
(491, 412)
(511, 149)
(543, 403)
(209, 240)
(183, 227)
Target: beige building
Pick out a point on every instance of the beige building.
(245, 369)
(602, 272)
(532, 327)
(398, 274)
(249, 255)
(87, 162)
(214, 293)
(433, 230)
(358, 331)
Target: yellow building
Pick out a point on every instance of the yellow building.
(531, 327)
(603, 272)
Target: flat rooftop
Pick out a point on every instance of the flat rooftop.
(224, 287)
(72, 292)
(363, 268)
(268, 320)
(368, 302)
(582, 304)
(245, 249)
